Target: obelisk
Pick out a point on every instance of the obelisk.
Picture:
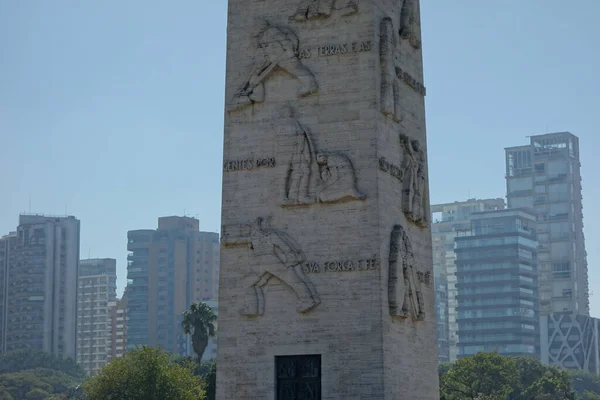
(326, 288)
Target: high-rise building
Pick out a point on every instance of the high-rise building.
(447, 220)
(97, 290)
(118, 318)
(545, 176)
(570, 341)
(8, 246)
(168, 269)
(40, 310)
(497, 284)
(441, 309)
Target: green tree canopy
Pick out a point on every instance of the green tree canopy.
(199, 321)
(37, 383)
(208, 371)
(585, 382)
(145, 374)
(23, 360)
(490, 376)
(486, 376)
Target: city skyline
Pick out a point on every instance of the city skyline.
(158, 100)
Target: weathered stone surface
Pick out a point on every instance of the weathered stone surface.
(326, 244)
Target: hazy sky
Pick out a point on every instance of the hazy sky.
(113, 110)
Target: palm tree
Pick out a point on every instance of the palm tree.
(199, 321)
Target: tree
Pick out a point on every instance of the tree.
(552, 385)
(23, 360)
(145, 374)
(585, 384)
(208, 371)
(36, 383)
(490, 376)
(199, 321)
(486, 376)
(4, 394)
(587, 395)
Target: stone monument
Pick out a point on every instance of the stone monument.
(326, 285)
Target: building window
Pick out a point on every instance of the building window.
(298, 377)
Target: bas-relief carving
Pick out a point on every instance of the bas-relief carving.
(316, 9)
(313, 176)
(412, 176)
(391, 72)
(390, 91)
(414, 199)
(278, 48)
(278, 255)
(405, 295)
(408, 22)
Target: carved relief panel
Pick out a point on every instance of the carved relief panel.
(277, 48)
(276, 254)
(412, 176)
(314, 176)
(405, 281)
(392, 72)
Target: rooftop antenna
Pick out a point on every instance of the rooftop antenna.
(29, 203)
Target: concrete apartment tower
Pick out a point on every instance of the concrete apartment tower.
(8, 250)
(96, 292)
(326, 286)
(118, 327)
(167, 270)
(545, 175)
(448, 220)
(498, 284)
(41, 265)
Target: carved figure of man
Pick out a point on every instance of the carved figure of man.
(314, 9)
(280, 256)
(413, 168)
(406, 16)
(300, 168)
(337, 179)
(390, 90)
(404, 289)
(278, 48)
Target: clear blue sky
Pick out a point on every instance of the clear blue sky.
(114, 109)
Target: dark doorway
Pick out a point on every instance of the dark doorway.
(298, 377)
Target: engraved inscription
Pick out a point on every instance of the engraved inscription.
(371, 264)
(336, 49)
(392, 169)
(411, 82)
(278, 255)
(248, 164)
(278, 49)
